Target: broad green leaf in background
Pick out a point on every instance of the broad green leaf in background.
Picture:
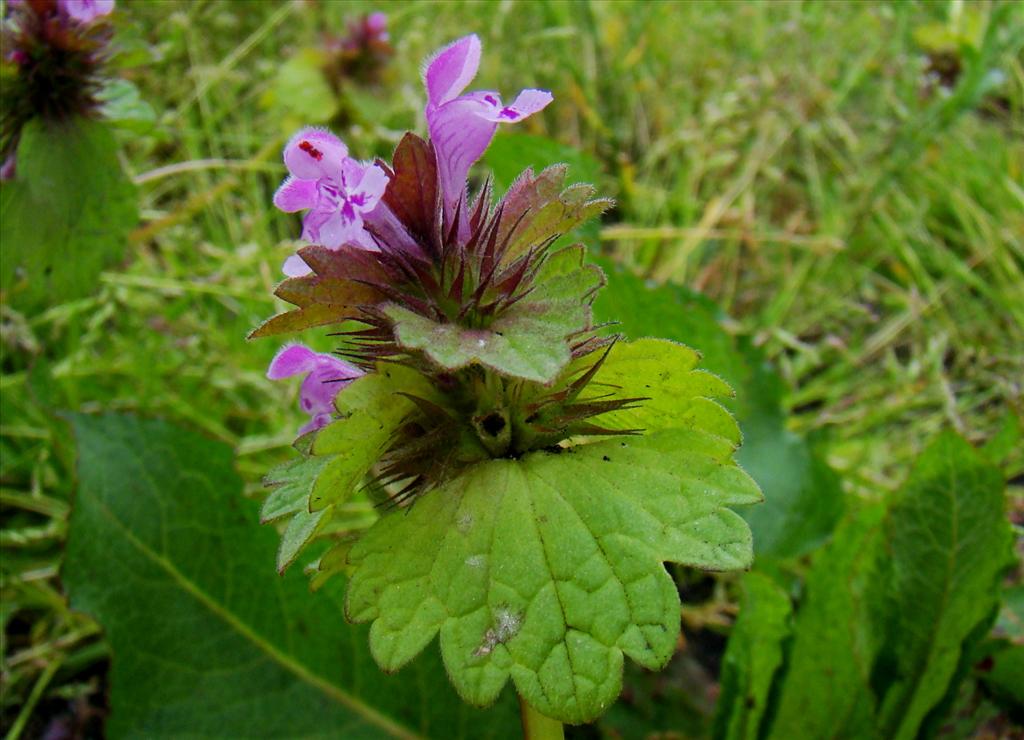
(66, 215)
(803, 497)
(299, 93)
(949, 540)
(122, 105)
(826, 691)
(753, 656)
(897, 605)
(548, 569)
(207, 639)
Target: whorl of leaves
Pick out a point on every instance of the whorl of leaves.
(450, 293)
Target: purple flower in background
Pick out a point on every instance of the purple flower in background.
(462, 125)
(325, 374)
(85, 11)
(336, 190)
(9, 167)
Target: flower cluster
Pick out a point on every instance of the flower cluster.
(53, 53)
(361, 54)
(469, 294)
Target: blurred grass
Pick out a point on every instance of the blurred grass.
(795, 161)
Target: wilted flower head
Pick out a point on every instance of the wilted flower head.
(57, 48)
(362, 53)
(325, 375)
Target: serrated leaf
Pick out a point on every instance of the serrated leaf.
(207, 640)
(949, 540)
(752, 658)
(826, 693)
(371, 411)
(548, 569)
(67, 214)
(291, 484)
(321, 300)
(803, 496)
(122, 105)
(679, 395)
(527, 340)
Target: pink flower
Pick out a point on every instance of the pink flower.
(325, 374)
(85, 11)
(336, 190)
(462, 125)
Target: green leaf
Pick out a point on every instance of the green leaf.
(1006, 443)
(290, 484)
(67, 214)
(677, 395)
(527, 340)
(207, 640)
(803, 496)
(950, 542)
(826, 692)
(752, 658)
(308, 489)
(371, 411)
(548, 569)
(123, 106)
(300, 91)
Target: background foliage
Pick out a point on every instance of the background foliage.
(829, 195)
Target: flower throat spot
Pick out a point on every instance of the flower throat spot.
(311, 150)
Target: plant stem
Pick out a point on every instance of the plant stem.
(537, 726)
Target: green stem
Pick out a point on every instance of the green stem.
(537, 726)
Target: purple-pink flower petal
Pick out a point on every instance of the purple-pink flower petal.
(462, 125)
(314, 153)
(295, 266)
(370, 187)
(450, 70)
(85, 11)
(460, 133)
(296, 195)
(291, 360)
(526, 104)
(325, 374)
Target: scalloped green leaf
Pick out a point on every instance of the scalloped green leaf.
(307, 489)
(371, 410)
(548, 569)
(677, 393)
(528, 340)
